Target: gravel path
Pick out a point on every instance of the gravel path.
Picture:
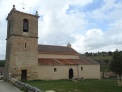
(6, 87)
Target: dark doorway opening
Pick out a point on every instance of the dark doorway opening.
(70, 73)
(23, 75)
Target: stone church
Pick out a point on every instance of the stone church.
(27, 60)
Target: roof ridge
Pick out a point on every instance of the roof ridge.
(51, 45)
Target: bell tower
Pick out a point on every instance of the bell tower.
(22, 45)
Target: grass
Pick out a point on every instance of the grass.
(79, 86)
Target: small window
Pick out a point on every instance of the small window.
(25, 45)
(55, 69)
(25, 25)
(81, 68)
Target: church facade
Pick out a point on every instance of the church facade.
(26, 60)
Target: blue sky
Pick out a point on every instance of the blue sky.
(88, 25)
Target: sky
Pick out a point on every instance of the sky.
(88, 25)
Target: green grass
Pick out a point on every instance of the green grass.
(79, 86)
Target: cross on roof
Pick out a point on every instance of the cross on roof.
(23, 4)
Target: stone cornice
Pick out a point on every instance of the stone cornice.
(21, 36)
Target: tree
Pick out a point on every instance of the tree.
(116, 64)
(106, 61)
(87, 54)
(2, 63)
(110, 53)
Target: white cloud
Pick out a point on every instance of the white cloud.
(57, 24)
(109, 10)
(92, 39)
(80, 2)
(98, 40)
(115, 32)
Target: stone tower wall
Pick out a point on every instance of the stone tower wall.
(22, 47)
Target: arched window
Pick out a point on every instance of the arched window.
(25, 25)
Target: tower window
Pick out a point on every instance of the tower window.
(25, 45)
(25, 25)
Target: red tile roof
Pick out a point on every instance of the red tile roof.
(52, 61)
(49, 49)
(61, 50)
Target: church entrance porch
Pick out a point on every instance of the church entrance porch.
(23, 75)
(70, 73)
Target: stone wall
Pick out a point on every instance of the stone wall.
(23, 86)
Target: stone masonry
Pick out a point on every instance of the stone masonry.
(22, 47)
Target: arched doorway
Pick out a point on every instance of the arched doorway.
(70, 73)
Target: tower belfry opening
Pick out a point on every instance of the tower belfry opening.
(25, 25)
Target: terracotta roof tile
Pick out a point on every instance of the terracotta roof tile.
(47, 61)
(49, 49)
(53, 61)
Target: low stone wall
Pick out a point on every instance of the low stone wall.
(25, 86)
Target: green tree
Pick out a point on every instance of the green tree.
(116, 64)
(2, 63)
(110, 53)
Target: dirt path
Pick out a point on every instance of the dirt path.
(6, 87)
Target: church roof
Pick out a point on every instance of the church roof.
(62, 50)
(50, 49)
(54, 61)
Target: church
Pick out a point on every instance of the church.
(28, 60)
